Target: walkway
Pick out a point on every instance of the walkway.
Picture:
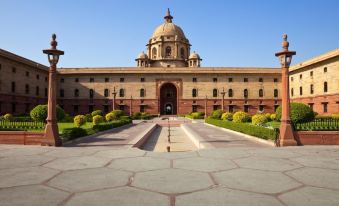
(303, 176)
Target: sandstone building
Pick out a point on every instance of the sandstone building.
(168, 79)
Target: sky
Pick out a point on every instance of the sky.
(226, 33)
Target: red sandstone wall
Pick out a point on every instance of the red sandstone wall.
(20, 101)
(318, 137)
(332, 106)
(21, 137)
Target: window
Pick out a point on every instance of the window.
(27, 89)
(231, 108)
(122, 79)
(168, 51)
(13, 107)
(75, 109)
(62, 80)
(275, 80)
(106, 92)
(91, 79)
(311, 89)
(245, 93)
(13, 87)
(310, 105)
(275, 107)
(46, 92)
(182, 53)
(292, 92)
(230, 79)
(91, 93)
(300, 91)
(275, 93)
(46, 79)
(261, 80)
(106, 79)
(154, 52)
(90, 108)
(142, 79)
(291, 79)
(215, 92)
(215, 79)
(325, 69)
(13, 69)
(122, 107)
(311, 73)
(142, 108)
(325, 86)
(27, 74)
(106, 108)
(121, 93)
(194, 92)
(62, 93)
(37, 90)
(76, 93)
(246, 108)
(300, 76)
(261, 93)
(325, 107)
(76, 79)
(194, 79)
(230, 92)
(261, 108)
(245, 79)
(142, 92)
(194, 108)
(37, 76)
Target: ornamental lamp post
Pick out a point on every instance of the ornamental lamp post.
(51, 137)
(114, 96)
(286, 130)
(223, 98)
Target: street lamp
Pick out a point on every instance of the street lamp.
(223, 98)
(51, 137)
(114, 96)
(286, 129)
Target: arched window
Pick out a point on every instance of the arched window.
(215, 92)
(62, 92)
(292, 92)
(168, 51)
(106, 92)
(182, 53)
(230, 92)
(325, 86)
(245, 93)
(300, 91)
(37, 91)
(142, 92)
(154, 53)
(76, 93)
(194, 92)
(27, 89)
(261, 92)
(91, 93)
(311, 89)
(276, 93)
(121, 93)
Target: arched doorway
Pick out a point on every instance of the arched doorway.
(168, 99)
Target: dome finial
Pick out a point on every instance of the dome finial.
(168, 18)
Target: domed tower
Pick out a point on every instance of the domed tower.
(142, 60)
(168, 46)
(194, 60)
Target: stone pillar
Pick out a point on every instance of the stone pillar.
(206, 107)
(130, 107)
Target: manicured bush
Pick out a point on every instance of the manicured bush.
(197, 115)
(335, 116)
(241, 117)
(73, 133)
(216, 114)
(23, 119)
(97, 112)
(118, 113)
(259, 119)
(97, 119)
(110, 117)
(8, 117)
(145, 115)
(273, 117)
(110, 125)
(227, 116)
(245, 128)
(39, 113)
(88, 117)
(268, 116)
(79, 120)
(299, 112)
(136, 115)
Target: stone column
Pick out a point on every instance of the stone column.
(130, 107)
(206, 107)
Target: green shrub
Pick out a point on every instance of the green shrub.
(118, 113)
(145, 115)
(22, 119)
(79, 120)
(97, 119)
(216, 114)
(268, 116)
(8, 117)
(335, 116)
(241, 117)
(110, 125)
(136, 115)
(259, 119)
(197, 115)
(273, 117)
(249, 129)
(67, 118)
(88, 117)
(97, 112)
(126, 118)
(73, 133)
(39, 113)
(299, 112)
(227, 116)
(110, 117)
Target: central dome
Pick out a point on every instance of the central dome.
(168, 29)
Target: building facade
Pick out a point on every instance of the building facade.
(168, 80)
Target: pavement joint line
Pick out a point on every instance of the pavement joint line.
(64, 202)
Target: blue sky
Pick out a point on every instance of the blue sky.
(224, 32)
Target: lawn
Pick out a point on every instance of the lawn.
(64, 125)
(273, 124)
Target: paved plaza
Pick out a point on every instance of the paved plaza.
(89, 172)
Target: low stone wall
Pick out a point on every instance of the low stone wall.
(21, 137)
(318, 137)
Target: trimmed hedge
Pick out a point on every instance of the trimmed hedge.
(216, 114)
(259, 119)
(73, 133)
(110, 125)
(299, 112)
(249, 129)
(39, 113)
(240, 116)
